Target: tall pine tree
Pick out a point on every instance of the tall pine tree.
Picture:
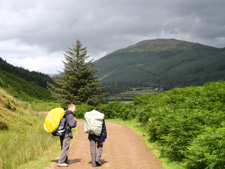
(77, 83)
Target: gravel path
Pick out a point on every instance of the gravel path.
(123, 149)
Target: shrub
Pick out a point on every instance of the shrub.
(177, 117)
(207, 150)
(82, 109)
(118, 109)
(176, 132)
(112, 110)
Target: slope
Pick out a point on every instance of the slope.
(14, 116)
(166, 63)
(22, 137)
(21, 88)
(36, 77)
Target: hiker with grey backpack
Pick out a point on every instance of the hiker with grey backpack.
(97, 133)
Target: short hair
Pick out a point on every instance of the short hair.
(98, 109)
(71, 106)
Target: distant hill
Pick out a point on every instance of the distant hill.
(22, 89)
(32, 76)
(166, 63)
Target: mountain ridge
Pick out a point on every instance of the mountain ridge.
(164, 63)
(160, 45)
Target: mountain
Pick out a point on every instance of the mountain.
(35, 77)
(165, 63)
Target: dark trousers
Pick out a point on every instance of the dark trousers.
(95, 156)
(65, 144)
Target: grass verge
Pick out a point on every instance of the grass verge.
(42, 105)
(142, 131)
(49, 157)
(21, 146)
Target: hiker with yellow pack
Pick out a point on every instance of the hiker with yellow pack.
(59, 123)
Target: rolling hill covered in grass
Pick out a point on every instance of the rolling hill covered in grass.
(38, 78)
(165, 63)
(22, 89)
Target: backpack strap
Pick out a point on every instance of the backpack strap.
(68, 130)
(68, 112)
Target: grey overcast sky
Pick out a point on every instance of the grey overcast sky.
(34, 34)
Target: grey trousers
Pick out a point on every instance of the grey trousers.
(95, 156)
(65, 144)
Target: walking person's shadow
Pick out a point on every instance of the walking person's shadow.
(70, 161)
(103, 162)
(74, 161)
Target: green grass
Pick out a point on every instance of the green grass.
(142, 131)
(25, 144)
(34, 148)
(48, 157)
(43, 105)
(22, 135)
(22, 89)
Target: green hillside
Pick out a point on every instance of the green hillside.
(11, 109)
(35, 77)
(22, 137)
(165, 63)
(21, 88)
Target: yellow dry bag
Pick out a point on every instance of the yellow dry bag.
(53, 119)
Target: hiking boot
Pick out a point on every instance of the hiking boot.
(98, 163)
(63, 165)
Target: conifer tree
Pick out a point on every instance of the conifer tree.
(77, 83)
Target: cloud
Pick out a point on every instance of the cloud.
(32, 57)
(48, 28)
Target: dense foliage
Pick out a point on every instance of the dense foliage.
(34, 77)
(22, 89)
(112, 110)
(187, 123)
(77, 83)
(162, 63)
(207, 150)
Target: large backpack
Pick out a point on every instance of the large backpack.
(93, 122)
(53, 119)
(61, 131)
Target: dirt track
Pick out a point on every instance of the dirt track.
(123, 149)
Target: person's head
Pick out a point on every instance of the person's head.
(99, 110)
(72, 107)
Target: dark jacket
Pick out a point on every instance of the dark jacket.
(70, 122)
(103, 135)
